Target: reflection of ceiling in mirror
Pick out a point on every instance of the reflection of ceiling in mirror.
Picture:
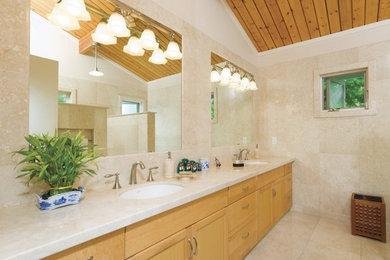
(137, 65)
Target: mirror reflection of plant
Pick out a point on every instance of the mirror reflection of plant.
(57, 160)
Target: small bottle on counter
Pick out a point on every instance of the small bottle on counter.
(169, 167)
(257, 153)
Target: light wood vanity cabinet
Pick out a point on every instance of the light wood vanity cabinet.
(197, 230)
(224, 225)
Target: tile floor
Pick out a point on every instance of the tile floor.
(305, 237)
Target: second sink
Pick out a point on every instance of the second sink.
(150, 191)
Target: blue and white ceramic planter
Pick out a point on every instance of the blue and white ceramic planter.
(60, 200)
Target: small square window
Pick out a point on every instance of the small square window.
(345, 90)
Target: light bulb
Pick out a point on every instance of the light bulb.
(225, 74)
(133, 47)
(60, 17)
(158, 57)
(77, 9)
(235, 81)
(214, 76)
(103, 34)
(117, 24)
(148, 40)
(173, 51)
(252, 85)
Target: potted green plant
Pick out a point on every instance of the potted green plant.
(58, 161)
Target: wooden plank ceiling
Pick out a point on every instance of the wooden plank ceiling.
(271, 24)
(137, 65)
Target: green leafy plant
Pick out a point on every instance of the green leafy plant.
(57, 160)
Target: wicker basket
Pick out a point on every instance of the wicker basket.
(368, 216)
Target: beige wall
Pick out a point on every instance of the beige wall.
(335, 156)
(164, 98)
(14, 53)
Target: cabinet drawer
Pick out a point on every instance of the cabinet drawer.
(269, 177)
(241, 189)
(108, 247)
(243, 241)
(288, 168)
(240, 212)
(150, 231)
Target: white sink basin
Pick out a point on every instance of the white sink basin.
(254, 162)
(150, 191)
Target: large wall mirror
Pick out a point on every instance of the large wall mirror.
(122, 97)
(231, 103)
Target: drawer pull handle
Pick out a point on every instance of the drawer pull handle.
(196, 245)
(90, 258)
(245, 206)
(192, 249)
(245, 236)
(273, 192)
(245, 188)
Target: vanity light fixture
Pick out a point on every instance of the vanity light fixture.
(214, 76)
(252, 85)
(133, 47)
(148, 40)
(236, 80)
(59, 16)
(103, 34)
(117, 24)
(244, 83)
(158, 56)
(96, 72)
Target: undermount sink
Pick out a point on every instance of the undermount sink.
(254, 162)
(150, 191)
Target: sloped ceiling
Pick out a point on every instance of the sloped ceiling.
(137, 65)
(270, 24)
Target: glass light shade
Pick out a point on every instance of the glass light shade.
(96, 73)
(173, 51)
(103, 34)
(158, 57)
(77, 9)
(148, 40)
(133, 47)
(252, 85)
(60, 17)
(244, 84)
(225, 74)
(117, 24)
(235, 80)
(214, 76)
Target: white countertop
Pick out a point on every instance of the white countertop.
(28, 233)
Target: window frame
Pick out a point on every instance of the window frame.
(133, 100)
(368, 109)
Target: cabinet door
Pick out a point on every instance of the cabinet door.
(264, 211)
(278, 199)
(209, 237)
(109, 247)
(175, 247)
(287, 192)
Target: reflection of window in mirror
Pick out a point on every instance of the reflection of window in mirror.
(67, 96)
(131, 106)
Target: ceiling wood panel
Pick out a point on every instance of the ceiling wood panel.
(372, 8)
(334, 16)
(140, 66)
(272, 24)
(358, 12)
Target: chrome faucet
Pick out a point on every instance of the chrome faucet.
(240, 154)
(133, 172)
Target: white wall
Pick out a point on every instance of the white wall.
(164, 98)
(43, 95)
(215, 19)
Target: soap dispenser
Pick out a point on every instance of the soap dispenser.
(169, 167)
(257, 153)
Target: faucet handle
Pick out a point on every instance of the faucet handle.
(150, 177)
(116, 183)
